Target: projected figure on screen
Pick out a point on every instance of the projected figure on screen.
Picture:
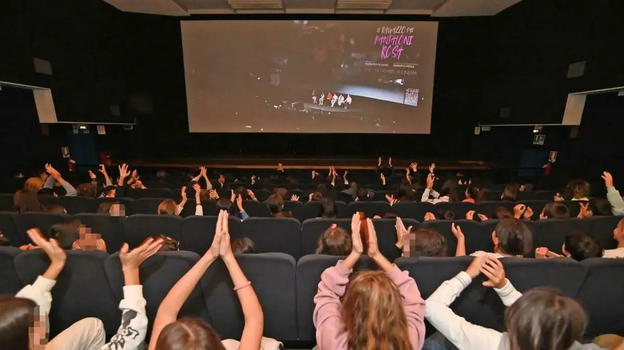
(314, 99)
(341, 100)
(348, 101)
(334, 100)
(321, 99)
(329, 97)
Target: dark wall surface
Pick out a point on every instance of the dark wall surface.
(518, 59)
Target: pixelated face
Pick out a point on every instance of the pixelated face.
(37, 333)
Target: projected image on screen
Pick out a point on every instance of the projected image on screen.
(309, 76)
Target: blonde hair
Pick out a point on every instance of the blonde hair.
(334, 241)
(33, 184)
(167, 207)
(373, 314)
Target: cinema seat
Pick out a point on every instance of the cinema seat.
(294, 207)
(273, 279)
(146, 205)
(151, 193)
(312, 229)
(138, 227)
(459, 208)
(127, 203)
(110, 227)
(77, 204)
(369, 208)
(11, 283)
(602, 228)
(82, 289)
(308, 210)
(551, 233)
(9, 229)
(601, 296)
(158, 275)
(43, 221)
(413, 210)
(489, 207)
(198, 232)
(256, 209)
(6, 202)
(274, 235)
(386, 233)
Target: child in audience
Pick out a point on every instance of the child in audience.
(371, 309)
(578, 246)
(169, 206)
(555, 210)
(617, 202)
(24, 318)
(618, 235)
(243, 246)
(579, 190)
(473, 194)
(334, 241)
(169, 332)
(510, 193)
(511, 238)
(275, 203)
(55, 178)
(27, 199)
(540, 319)
(422, 242)
(328, 208)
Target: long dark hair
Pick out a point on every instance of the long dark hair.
(188, 333)
(16, 318)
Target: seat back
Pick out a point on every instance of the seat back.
(459, 208)
(294, 207)
(146, 205)
(370, 208)
(309, 270)
(11, 283)
(127, 203)
(273, 278)
(43, 221)
(386, 234)
(78, 204)
(602, 228)
(489, 207)
(551, 233)
(110, 227)
(198, 232)
(158, 275)
(413, 210)
(6, 202)
(274, 234)
(140, 226)
(151, 193)
(601, 296)
(309, 210)
(81, 290)
(256, 209)
(9, 229)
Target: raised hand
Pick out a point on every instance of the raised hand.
(584, 212)
(379, 162)
(218, 236)
(474, 268)
(356, 238)
(457, 231)
(213, 194)
(483, 217)
(608, 179)
(232, 196)
(470, 214)
(373, 247)
(51, 247)
(383, 178)
(389, 162)
(92, 175)
(183, 193)
(432, 167)
(494, 270)
(519, 210)
(102, 169)
(53, 172)
(132, 259)
(123, 170)
(294, 198)
(402, 233)
(239, 203)
(430, 180)
(225, 248)
(252, 195)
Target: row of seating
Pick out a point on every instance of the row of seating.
(287, 235)
(91, 285)
(300, 210)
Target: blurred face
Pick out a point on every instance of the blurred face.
(221, 178)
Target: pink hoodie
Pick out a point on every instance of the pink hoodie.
(330, 332)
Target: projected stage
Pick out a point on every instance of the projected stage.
(309, 76)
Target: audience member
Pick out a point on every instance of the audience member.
(578, 246)
(618, 235)
(617, 202)
(27, 199)
(510, 193)
(334, 241)
(542, 318)
(511, 238)
(371, 309)
(555, 210)
(275, 203)
(170, 333)
(328, 208)
(243, 246)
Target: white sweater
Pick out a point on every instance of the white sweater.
(456, 329)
